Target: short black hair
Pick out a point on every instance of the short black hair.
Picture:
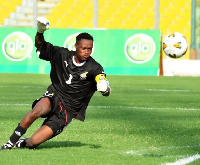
(84, 35)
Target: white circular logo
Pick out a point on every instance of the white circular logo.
(17, 46)
(139, 48)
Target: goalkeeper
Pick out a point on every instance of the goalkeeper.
(75, 76)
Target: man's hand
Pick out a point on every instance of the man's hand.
(42, 24)
(102, 85)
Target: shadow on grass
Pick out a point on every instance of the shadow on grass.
(60, 144)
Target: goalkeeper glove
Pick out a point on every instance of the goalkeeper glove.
(102, 86)
(102, 83)
(42, 24)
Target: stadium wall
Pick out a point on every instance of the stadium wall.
(121, 52)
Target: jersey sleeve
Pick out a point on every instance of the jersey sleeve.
(99, 71)
(47, 51)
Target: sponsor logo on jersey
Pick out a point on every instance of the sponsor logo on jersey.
(48, 94)
(139, 48)
(17, 46)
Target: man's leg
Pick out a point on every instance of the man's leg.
(40, 136)
(43, 107)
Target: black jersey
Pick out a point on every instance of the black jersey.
(74, 83)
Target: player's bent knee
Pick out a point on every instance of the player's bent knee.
(35, 113)
(42, 108)
(33, 143)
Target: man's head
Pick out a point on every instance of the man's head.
(83, 35)
(83, 45)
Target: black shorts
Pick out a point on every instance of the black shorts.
(58, 118)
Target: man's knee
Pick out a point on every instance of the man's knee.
(32, 143)
(34, 113)
(42, 108)
(43, 134)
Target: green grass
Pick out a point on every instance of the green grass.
(145, 121)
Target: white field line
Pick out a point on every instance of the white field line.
(139, 152)
(147, 108)
(171, 90)
(185, 161)
(154, 90)
(17, 105)
(182, 161)
(116, 107)
(142, 151)
(18, 86)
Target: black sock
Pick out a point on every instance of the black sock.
(19, 131)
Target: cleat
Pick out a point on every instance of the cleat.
(21, 143)
(9, 145)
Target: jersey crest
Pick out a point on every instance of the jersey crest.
(83, 76)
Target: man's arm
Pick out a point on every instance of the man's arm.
(42, 26)
(107, 92)
(39, 40)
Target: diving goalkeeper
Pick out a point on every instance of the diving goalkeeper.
(75, 76)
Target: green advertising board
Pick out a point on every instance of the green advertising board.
(120, 52)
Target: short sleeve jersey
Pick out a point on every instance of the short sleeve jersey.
(74, 83)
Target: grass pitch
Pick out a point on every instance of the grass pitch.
(145, 121)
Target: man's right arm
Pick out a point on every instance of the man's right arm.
(39, 40)
(42, 26)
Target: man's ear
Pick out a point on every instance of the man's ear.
(75, 45)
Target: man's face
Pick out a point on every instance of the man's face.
(83, 50)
